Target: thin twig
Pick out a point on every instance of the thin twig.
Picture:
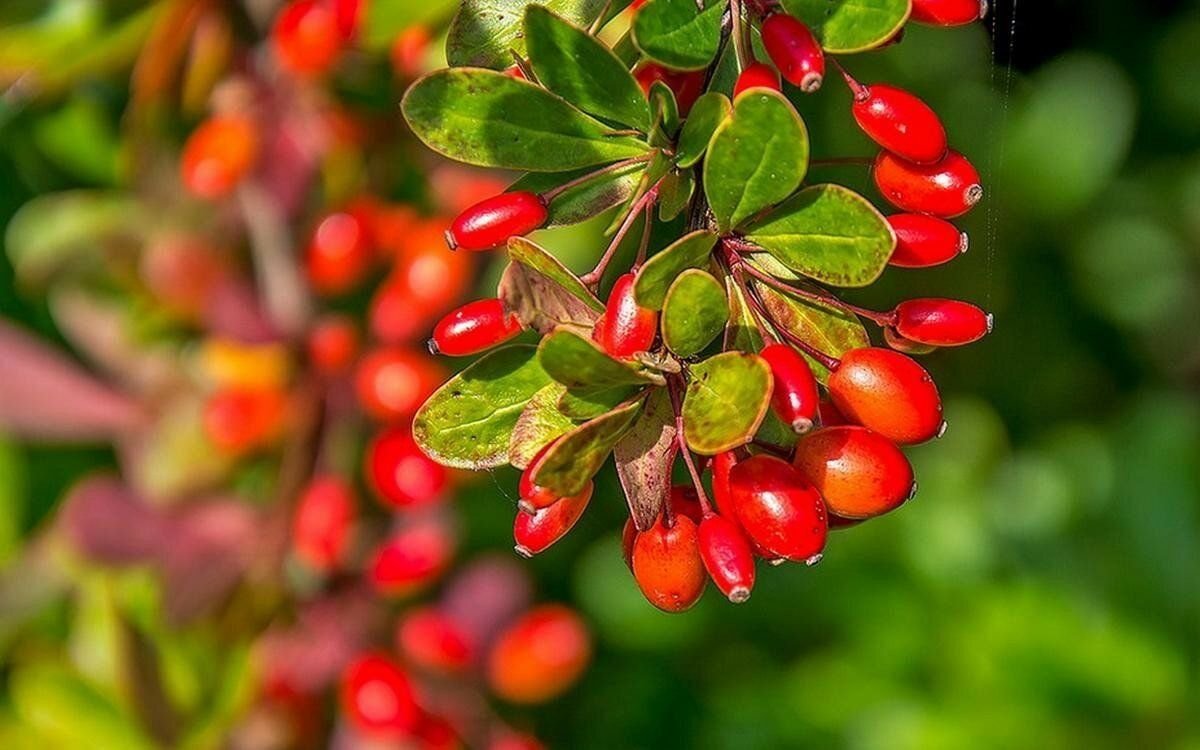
(553, 193)
(673, 385)
(593, 277)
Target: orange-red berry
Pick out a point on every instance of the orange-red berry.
(535, 532)
(377, 697)
(859, 473)
(941, 322)
(757, 75)
(667, 564)
(393, 382)
(401, 474)
(339, 254)
(333, 344)
(889, 393)
(306, 37)
(540, 655)
(948, 12)
(432, 641)
(218, 155)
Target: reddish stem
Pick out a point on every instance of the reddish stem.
(861, 93)
(673, 385)
(592, 278)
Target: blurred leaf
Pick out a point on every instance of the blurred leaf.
(67, 712)
(13, 488)
(108, 524)
(385, 19)
(79, 139)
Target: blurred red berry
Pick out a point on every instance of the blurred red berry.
(377, 697)
(306, 37)
(218, 155)
(393, 382)
(324, 518)
(539, 656)
(401, 474)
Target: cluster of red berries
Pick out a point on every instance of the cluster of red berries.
(773, 502)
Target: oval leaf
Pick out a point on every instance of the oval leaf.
(846, 26)
(487, 32)
(694, 313)
(539, 423)
(757, 157)
(577, 363)
(679, 34)
(589, 403)
(707, 114)
(489, 119)
(644, 458)
(584, 200)
(727, 398)
(542, 292)
(468, 422)
(828, 233)
(578, 67)
(654, 278)
(576, 457)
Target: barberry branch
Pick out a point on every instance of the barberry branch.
(593, 277)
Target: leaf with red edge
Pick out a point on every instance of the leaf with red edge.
(644, 458)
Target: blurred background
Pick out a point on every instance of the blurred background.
(1039, 592)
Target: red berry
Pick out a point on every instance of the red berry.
(494, 221)
(509, 740)
(540, 655)
(306, 37)
(795, 51)
(795, 397)
(900, 122)
(923, 241)
(778, 509)
(859, 473)
(474, 328)
(684, 501)
(535, 533)
(401, 474)
(393, 382)
(411, 559)
(949, 12)
(829, 414)
(941, 322)
(727, 556)
(322, 524)
(629, 328)
(349, 17)
(339, 254)
(425, 282)
(722, 464)
(432, 641)
(687, 86)
(889, 393)
(756, 75)
(378, 697)
(947, 188)
(333, 344)
(408, 51)
(241, 420)
(667, 564)
(535, 497)
(436, 733)
(218, 154)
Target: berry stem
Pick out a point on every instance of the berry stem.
(759, 309)
(553, 193)
(861, 93)
(673, 386)
(879, 318)
(592, 278)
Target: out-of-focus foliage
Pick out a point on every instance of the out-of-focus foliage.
(1039, 592)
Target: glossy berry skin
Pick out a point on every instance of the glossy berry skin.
(339, 254)
(434, 642)
(534, 497)
(473, 328)
(900, 123)
(241, 420)
(829, 414)
(795, 51)
(410, 559)
(400, 473)
(333, 345)
(667, 564)
(727, 557)
(948, 12)
(722, 465)
(629, 329)
(539, 656)
(925, 241)
(377, 697)
(322, 524)
(393, 382)
(859, 473)
(492, 222)
(685, 502)
(947, 188)
(687, 86)
(218, 155)
(941, 322)
(778, 509)
(535, 533)
(757, 75)
(306, 37)
(795, 397)
(889, 393)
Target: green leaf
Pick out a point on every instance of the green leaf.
(489, 119)
(694, 313)
(678, 34)
(578, 67)
(542, 292)
(13, 494)
(589, 403)
(468, 422)
(666, 112)
(828, 233)
(727, 398)
(68, 712)
(58, 231)
(846, 26)
(539, 423)
(709, 111)
(587, 199)
(644, 458)
(756, 158)
(675, 193)
(741, 333)
(486, 33)
(654, 278)
(826, 328)
(577, 362)
(576, 457)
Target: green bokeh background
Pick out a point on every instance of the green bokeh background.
(1043, 590)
